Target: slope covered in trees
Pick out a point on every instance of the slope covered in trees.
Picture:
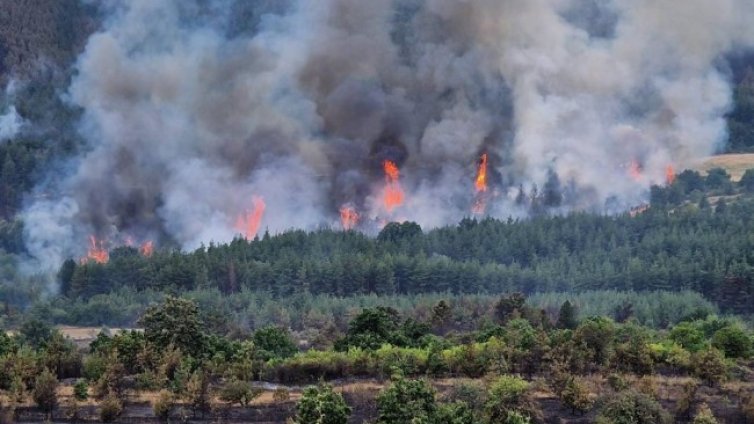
(675, 245)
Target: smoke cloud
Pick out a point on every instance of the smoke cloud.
(191, 110)
(10, 121)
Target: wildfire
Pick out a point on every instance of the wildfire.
(481, 175)
(147, 249)
(97, 251)
(480, 185)
(670, 175)
(249, 222)
(393, 196)
(349, 218)
(634, 170)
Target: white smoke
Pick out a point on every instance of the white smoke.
(187, 122)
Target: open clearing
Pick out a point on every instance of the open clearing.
(735, 164)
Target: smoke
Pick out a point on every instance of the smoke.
(192, 108)
(10, 121)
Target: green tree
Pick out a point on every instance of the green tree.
(174, 322)
(240, 392)
(321, 405)
(710, 366)
(406, 402)
(35, 332)
(575, 395)
(747, 180)
(509, 394)
(733, 341)
(44, 393)
(567, 317)
(454, 413)
(634, 408)
(274, 342)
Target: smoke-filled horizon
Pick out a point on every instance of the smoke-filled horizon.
(196, 112)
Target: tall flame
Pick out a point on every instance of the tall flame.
(147, 249)
(480, 185)
(393, 196)
(349, 218)
(248, 223)
(670, 175)
(97, 251)
(481, 175)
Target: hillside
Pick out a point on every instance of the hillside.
(734, 163)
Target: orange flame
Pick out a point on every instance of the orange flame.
(670, 175)
(249, 222)
(147, 249)
(393, 196)
(634, 170)
(349, 218)
(97, 251)
(481, 175)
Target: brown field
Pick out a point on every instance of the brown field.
(735, 164)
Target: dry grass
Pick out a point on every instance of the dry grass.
(735, 164)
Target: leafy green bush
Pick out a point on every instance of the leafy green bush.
(405, 401)
(633, 407)
(321, 404)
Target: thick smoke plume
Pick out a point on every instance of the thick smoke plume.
(193, 108)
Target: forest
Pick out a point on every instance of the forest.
(520, 366)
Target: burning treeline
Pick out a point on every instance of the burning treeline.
(209, 120)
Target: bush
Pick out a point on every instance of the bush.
(710, 366)
(454, 413)
(163, 405)
(281, 394)
(509, 394)
(406, 400)
(240, 392)
(321, 404)
(733, 341)
(110, 408)
(81, 390)
(705, 416)
(576, 396)
(617, 382)
(44, 391)
(633, 407)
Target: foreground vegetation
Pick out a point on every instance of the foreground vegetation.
(518, 366)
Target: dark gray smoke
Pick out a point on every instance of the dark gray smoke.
(192, 108)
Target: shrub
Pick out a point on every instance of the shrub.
(163, 404)
(321, 404)
(509, 394)
(44, 391)
(240, 392)
(575, 395)
(110, 408)
(281, 394)
(454, 413)
(733, 341)
(632, 407)
(704, 416)
(81, 390)
(406, 400)
(710, 366)
(617, 382)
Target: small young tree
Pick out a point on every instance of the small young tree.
(110, 408)
(163, 405)
(710, 366)
(321, 404)
(704, 416)
(575, 395)
(44, 391)
(198, 392)
(567, 317)
(240, 392)
(81, 390)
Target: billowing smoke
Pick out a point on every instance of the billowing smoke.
(193, 108)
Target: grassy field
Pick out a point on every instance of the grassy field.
(735, 164)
